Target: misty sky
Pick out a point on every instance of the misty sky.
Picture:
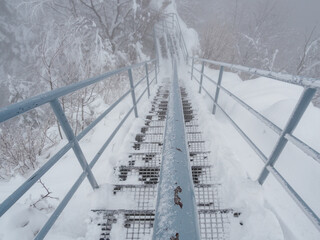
(302, 14)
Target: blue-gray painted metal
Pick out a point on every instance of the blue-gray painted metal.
(297, 80)
(147, 76)
(293, 121)
(301, 106)
(258, 115)
(216, 96)
(155, 44)
(133, 95)
(15, 196)
(45, 229)
(183, 41)
(115, 131)
(71, 192)
(52, 98)
(34, 102)
(303, 147)
(105, 113)
(175, 183)
(201, 77)
(6, 204)
(192, 66)
(106, 144)
(245, 136)
(296, 197)
(177, 29)
(155, 73)
(58, 111)
(43, 232)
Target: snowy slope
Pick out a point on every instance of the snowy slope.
(25, 220)
(268, 206)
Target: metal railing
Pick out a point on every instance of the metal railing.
(175, 176)
(310, 86)
(73, 141)
(170, 22)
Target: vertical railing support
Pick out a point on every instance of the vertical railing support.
(292, 123)
(216, 96)
(155, 44)
(192, 68)
(201, 77)
(133, 95)
(58, 111)
(155, 71)
(147, 76)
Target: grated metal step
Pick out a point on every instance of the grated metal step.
(143, 169)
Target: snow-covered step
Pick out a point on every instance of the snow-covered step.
(138, 179)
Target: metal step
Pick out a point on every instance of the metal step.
(143, 168)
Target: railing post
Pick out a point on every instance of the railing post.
(293, 121)
(155, 71)
(201, 77)
(192, 68)
(147, 76)
(58, 111)
(216, 96)
(132, 93)
(155, 44)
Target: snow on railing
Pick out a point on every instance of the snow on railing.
(310, 86)
(170, 21)
(52, 98)
(175, 176)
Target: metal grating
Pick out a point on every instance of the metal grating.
(145, 159)
(147, 146)
(194, 136)
(136, 224)
(207, 196)
(149, 137)
(213, 219)
(196, 146)
(144, 168)
(199, 158)
(214, 225)
(145, 175)
(144, 195)
(155, 123)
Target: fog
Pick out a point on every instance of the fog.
(302, 15)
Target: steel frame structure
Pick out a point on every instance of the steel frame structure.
(52, 98)
(310, 86)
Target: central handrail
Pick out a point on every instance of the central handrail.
(179, 217)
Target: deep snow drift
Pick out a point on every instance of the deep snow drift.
(238, 166)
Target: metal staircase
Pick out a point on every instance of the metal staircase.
(140, 177)
(144, 164)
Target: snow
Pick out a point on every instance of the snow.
(76, 221)
(267, 212)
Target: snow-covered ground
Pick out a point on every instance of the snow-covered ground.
(268, 212)
(25, 220)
